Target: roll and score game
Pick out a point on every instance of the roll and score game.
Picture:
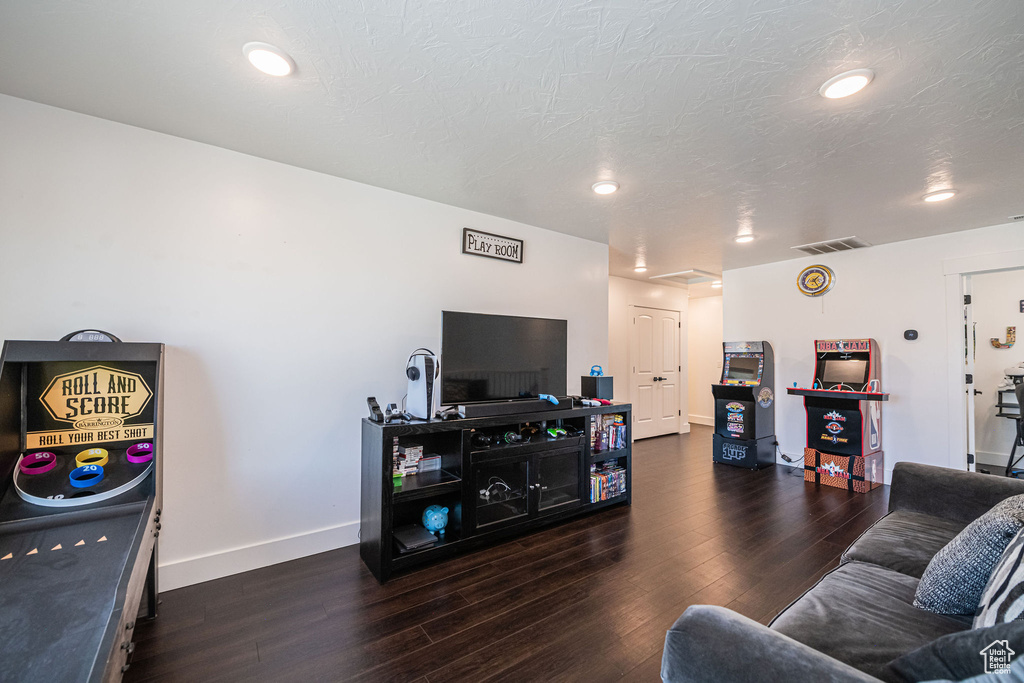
(88, 432)
(80, 503)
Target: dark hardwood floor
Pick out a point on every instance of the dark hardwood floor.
(588, 600)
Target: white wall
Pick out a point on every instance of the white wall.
(704, 356)
(285, 297)
(623, 293)
(995, 301)
(879, 292)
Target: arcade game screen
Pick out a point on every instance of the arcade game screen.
(744, 368)
(852, 372)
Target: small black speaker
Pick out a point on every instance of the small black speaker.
(910, 335)
(596, 387)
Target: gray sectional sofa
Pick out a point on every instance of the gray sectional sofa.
(859, 623)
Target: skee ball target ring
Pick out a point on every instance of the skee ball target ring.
(38, 463)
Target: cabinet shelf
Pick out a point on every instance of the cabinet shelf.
(492, 503)
(446, 540)
(535, 444)
(425, 484)
(608, 501)
(609, 455)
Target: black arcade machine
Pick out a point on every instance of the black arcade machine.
(745, 406)
(844, 415)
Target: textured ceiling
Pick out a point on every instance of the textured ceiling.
(706, 111)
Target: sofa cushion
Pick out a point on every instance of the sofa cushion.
(863, 615)
(1003, 598)
(956, 656)
(955, 578)
(903, 541)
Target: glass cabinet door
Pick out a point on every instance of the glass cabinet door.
(501, 491)
(558, 478)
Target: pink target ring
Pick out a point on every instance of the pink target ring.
(140, 453)
(38, 463)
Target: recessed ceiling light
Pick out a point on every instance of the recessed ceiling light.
(641, 269)
(717, 284)
(939, 195)
(743, 239)
(268, 59)
(846, 84)
(605, 187)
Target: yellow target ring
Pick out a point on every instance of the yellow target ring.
(92, 456)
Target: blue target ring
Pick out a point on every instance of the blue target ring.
(85, 476)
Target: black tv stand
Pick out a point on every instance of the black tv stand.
(529, 484)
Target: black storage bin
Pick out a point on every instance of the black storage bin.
(596, 387)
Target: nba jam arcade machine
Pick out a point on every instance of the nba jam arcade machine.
(745, 406)
(844, 415)
(80, 496)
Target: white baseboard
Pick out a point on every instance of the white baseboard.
(993, 459)
(702, 420)
(216, 565)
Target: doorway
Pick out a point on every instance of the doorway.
(995, 306)
(964, 344)
(654, 371)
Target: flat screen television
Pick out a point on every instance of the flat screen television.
(501, 357)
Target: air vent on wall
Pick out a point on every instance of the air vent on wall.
(831, 246)
(686, 277)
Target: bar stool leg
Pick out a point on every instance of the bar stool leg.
(1019, 441)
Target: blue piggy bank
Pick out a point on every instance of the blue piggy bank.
(435, 519)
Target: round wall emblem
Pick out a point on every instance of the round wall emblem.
(815, 280)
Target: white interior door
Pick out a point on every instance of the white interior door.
(970, 351)
(654, 380)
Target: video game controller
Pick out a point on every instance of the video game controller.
(392, 414)
(549, 397)
(556, 431)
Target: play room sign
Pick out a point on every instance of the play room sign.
(492, 246)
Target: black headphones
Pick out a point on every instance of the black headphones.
(414, 373)
(514, 437)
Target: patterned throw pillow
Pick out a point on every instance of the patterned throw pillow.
(956, 577)
(1003, 598)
